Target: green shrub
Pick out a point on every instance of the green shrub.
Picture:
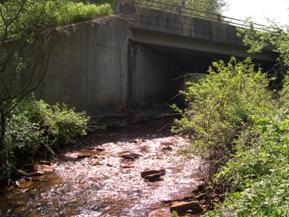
(50, 13)
(223, 104)
(24, 137)
(259, 176)
(36, 126)
(284, 94)
(62, 122)
(59, 121)
(232, 107)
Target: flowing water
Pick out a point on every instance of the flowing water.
(104, 177)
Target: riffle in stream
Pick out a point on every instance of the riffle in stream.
(104, 178)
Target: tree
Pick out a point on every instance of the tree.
(24, 52)
(275, 37)
(189, 7)
(211, 6)
(192, 7)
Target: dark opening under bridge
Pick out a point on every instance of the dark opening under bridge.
(132, 59)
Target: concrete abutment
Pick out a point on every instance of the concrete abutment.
(118, 64)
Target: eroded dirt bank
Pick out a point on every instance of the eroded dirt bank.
(105, 178)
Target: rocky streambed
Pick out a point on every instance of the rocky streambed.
(134, 172)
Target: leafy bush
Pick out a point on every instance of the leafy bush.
(36, 126)
(284, 94)
(49, 13)
(259, 177)
(24, 137)
(59, 121)
(223, 104)
(232, 110)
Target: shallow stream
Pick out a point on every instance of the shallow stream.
(103, 178)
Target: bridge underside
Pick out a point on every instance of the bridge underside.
(160, 72)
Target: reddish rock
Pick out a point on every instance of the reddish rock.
(168, 148)
(45, 162)
(153, 175)
(163, 212)
(82, 156)
(125, 166)
(99, 149)
(24, 183)
(129, 156)
(183, 208)
(41, 169)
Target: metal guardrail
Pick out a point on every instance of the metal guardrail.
(191, 12)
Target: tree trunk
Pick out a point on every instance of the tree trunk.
(3, 154)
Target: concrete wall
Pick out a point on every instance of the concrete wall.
(88, 67)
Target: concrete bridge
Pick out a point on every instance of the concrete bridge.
(133, 59)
